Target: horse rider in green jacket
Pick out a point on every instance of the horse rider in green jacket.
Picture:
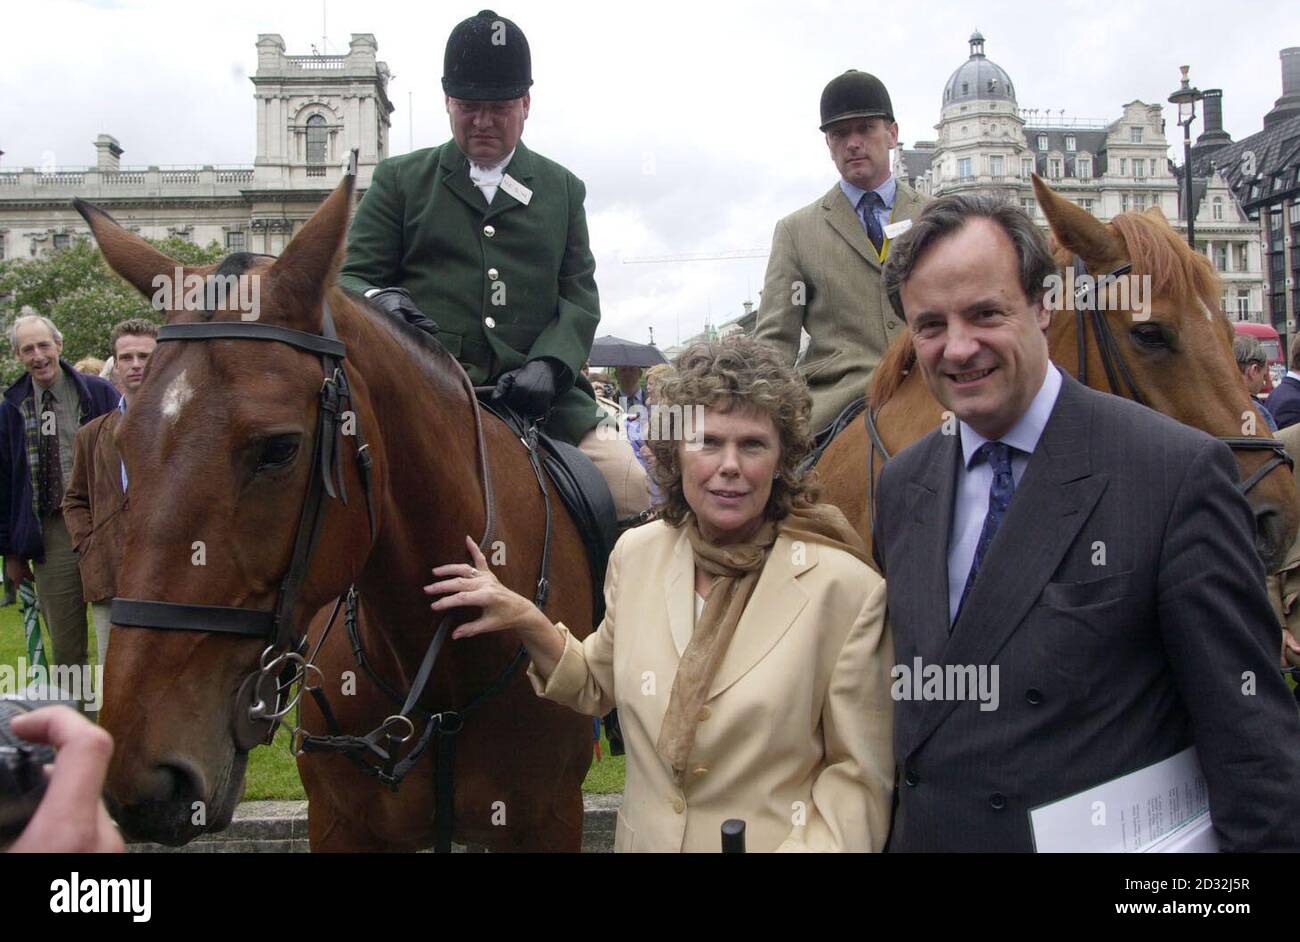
(489, 239)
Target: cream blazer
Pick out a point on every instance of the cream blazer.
(796, 736)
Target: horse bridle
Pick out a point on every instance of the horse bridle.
(259, 706)
(1088, 311)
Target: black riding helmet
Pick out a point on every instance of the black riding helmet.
(487, 59)
(855, 95)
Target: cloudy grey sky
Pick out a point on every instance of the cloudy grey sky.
(694, 124)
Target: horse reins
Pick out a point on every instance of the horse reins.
(1088, 311)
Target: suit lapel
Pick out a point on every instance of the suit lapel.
(843, 219)
(455, 176)
(930, 510)
(907, 203)
(777, 601)
(679, 592)
(1054, 498)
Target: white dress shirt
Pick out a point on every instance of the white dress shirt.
(971, 501)
(488, 177)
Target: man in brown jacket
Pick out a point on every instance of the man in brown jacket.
(823, 274)
(96, 495)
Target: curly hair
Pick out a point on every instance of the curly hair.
(721, 375)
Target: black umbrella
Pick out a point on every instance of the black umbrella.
(615, 351)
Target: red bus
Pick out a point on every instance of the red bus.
(1268, 339)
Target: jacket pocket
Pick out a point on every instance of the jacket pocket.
(624, 835)
(1070, 595)
(809, 370)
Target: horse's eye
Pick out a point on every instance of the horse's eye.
(1153, 336)
(277, 452)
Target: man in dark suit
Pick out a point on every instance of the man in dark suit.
(1284, 400)
(1094, 552)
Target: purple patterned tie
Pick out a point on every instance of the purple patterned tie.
(867, 210)
(1000, 491)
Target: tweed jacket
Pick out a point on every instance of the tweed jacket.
(824, 276)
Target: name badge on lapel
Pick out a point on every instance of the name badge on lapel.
(896, 229)
(521, 192)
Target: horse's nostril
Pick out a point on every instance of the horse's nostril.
(178, 783)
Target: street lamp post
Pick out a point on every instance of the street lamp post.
(1186, 98)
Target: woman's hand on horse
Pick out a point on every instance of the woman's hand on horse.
(473, 585)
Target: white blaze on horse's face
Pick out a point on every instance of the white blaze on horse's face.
(979, 340)
(175, 396)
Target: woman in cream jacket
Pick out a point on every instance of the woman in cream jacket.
(744, 640)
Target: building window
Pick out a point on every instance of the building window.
(235, 241)
(316, 140)
(1083, 168)
(1123, 202)
(1135, 135)
(1054, 168)
(1218, 208)
(1028, 206)
(1069, 142)
(965, 88)
(995, 165)
(1294, 213)
(1152, 162)
(1123, 166)
(1220, 257)
(61, 241)
(2, 246)
(1243, 305)
(1241, 257)
(1139, 169)
(1139, 202)
(963, 168)
(1026, 167)
(1086, 205)
(1042, 142)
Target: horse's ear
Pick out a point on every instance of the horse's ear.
(1074, 228)
(126, 253)
(311, 261)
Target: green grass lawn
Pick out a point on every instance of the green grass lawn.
(272, 771)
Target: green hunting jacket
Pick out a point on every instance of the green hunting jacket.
(506, 283)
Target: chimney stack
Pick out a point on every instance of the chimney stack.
(107, 152)
(1214, 136)
(1288, 106)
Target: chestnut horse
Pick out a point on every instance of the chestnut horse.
(220, 452)
(1179, 358)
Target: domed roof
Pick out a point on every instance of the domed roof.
(978, 79)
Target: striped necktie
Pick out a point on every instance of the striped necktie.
(867, 211)
(1000, 492)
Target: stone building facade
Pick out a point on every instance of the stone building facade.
(311, 112)
(987, 142)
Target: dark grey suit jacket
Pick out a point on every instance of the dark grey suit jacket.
(1103, 669)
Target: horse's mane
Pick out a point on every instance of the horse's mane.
(893, 368)
(1155, 249)
(428, 353)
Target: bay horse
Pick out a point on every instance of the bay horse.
(224, 447)
(1178, 359)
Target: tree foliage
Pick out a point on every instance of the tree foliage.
(76, 289)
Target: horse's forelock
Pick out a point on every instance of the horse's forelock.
(1155, 249)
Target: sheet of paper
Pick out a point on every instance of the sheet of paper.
(1164, 807)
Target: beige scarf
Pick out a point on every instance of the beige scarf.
(738, 567)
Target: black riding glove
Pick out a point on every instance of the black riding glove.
(531, 389)
(398, 302)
